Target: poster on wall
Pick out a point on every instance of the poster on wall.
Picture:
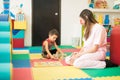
(10, 7)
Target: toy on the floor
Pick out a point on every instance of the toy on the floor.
(59, 56)
(115, 45)
(47, 64)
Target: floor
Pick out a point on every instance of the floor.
(28, 64)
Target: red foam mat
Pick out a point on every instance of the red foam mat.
(22, 74)
(70, 50)
(47, 60)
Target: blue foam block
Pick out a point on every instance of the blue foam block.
(77, 79)
(25, 48)
(4, 26)
(18, 33)
(21, 63)
(4, 17)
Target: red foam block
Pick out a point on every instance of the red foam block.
(18, 43)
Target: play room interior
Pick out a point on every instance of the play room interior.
(24, 24)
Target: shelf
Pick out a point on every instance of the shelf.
(106, 10)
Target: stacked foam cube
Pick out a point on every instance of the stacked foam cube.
(5, 48)
(19, 31)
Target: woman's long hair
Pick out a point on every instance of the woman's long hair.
(89, 18)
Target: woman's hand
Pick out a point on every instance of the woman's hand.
(73, 57)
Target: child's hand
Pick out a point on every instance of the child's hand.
(52, 57)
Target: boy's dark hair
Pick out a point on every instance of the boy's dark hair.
(53, 32)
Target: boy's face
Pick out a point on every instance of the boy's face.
(53, 37)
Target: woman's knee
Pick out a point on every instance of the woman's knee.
(77, 64)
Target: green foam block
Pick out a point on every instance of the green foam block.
(4, 37)
(20, 57)
(5, 53)
(4, 26)
(65, 46)
(113, 71)
(4, 71)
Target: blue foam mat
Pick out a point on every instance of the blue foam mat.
(21, 63)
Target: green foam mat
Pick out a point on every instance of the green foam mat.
(113, 71)
(35, 49)
(65, 46)
(20, 57)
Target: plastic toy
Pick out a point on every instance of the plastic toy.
(101, 4)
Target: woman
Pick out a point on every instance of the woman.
(93, 53)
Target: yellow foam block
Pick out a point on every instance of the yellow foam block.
(20, 51)
(108, 78)
(11, 69)
(54, 73)
(35, 56)
(20, 25)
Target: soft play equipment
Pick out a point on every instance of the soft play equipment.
(4, 37)
(3, 17)
(5, 50)
(115, 45)
(4, 26)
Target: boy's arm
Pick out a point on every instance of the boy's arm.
(47, 50)
(56, 46)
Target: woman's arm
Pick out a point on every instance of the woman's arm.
(92, 49)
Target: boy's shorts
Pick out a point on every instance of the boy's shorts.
(53, 51)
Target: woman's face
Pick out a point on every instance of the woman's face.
(82, 21)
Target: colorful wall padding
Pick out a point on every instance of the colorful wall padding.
(4, 26)
(4, 37)
(5, 53)
(5, 50)
(3, 17)
(5, 71)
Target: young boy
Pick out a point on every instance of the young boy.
(49, 43)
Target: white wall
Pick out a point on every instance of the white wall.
(70, 26)
(70, 10)
(27, 9)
